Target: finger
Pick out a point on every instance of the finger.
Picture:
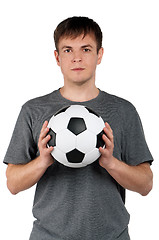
(47, 151)
(43, 133)
(108, 126)
(108, 142)
(50, 149)
(103, 151)
(45, 141)
(109, 134)
(44, 126)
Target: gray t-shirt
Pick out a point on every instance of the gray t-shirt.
(83, 203)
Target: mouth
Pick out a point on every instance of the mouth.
(77, 69)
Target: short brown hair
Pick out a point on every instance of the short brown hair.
(75, 26)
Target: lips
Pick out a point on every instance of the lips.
(77, 69)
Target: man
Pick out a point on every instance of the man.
(85, 203)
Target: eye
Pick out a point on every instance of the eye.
(86, 50)
(67, 50)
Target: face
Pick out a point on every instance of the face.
(78, 59)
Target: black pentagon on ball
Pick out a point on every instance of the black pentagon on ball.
(77, 125)
(52, 141)
(75, 156)
(100, 141)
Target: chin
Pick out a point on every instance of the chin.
(81, 81)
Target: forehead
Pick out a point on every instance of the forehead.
(78, 41)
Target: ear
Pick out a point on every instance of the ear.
(100, 55)
(57, 57)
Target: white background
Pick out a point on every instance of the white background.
(130, 69)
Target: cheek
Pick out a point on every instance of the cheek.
(64, 64)
(92, 63)
(65, 68)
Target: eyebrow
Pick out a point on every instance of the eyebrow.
(84, 46)
(88, 45)
(66, 47)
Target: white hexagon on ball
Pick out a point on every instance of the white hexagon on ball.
(59, 122)
(65, 140)
(86, 141)
(91, 156)
(77, 111)
(94, 124)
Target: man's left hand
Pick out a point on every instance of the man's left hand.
(106, 158)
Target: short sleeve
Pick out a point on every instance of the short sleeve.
(22, 147)
(134, 148)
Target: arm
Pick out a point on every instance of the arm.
(24, 176)
(135, 178)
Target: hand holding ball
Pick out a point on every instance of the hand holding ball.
(76, 135)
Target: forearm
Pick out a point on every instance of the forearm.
(21, 177)
(134, 178)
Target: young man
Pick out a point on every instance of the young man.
(85, 203)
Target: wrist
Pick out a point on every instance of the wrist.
(113, 163)
(42, 163)
(109, 165)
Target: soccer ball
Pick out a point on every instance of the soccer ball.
(76, 135)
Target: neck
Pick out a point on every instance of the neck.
(79, 93)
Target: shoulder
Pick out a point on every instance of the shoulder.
(41, 100)
(38, 107)
(122, 109)
(40, 103)
(123, 105)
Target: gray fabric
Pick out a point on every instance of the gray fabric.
(124, 235)
(85, 203)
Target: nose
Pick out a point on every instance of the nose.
(76, 58)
